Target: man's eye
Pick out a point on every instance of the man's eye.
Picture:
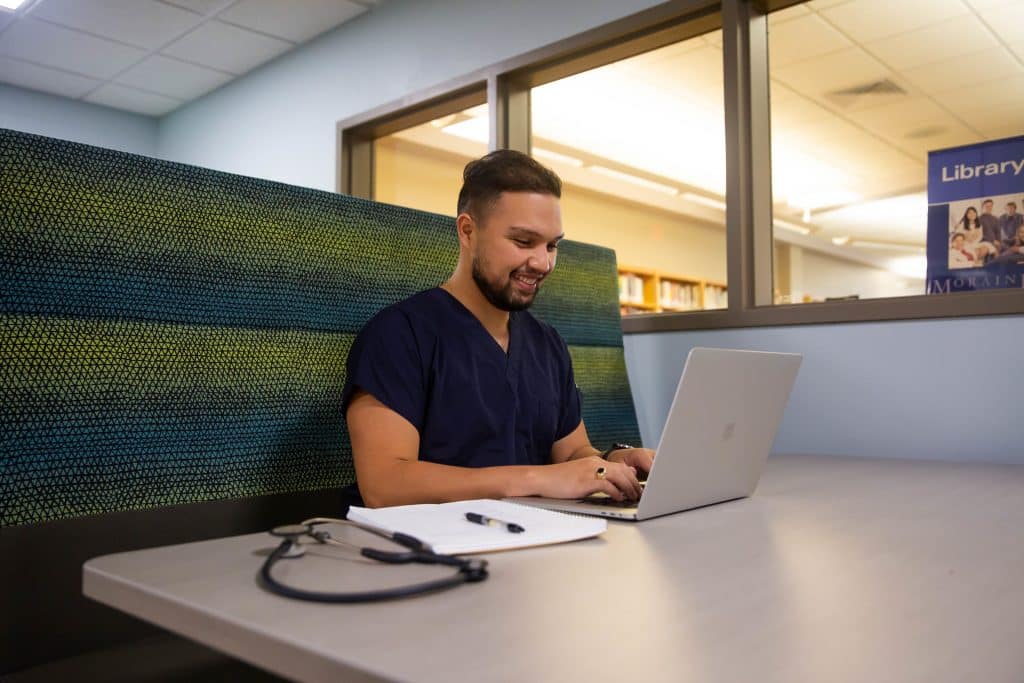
(522, 243)
(552, 247)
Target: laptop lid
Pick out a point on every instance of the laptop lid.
(719, 431)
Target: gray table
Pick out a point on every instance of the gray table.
(837, 569)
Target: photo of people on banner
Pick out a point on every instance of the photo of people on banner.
(976, 217)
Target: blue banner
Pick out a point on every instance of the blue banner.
(976, 217)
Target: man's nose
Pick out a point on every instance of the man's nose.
(541, 261)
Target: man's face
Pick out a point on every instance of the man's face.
(1011, 209)
(1020, 234)
(986, 207)
(515, 248)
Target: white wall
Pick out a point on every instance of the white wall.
(60, 117)
(825, 276)
(279, 121)
(924, 389)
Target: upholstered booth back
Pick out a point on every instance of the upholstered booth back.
(172, 353)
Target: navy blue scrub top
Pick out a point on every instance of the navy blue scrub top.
(430, 360)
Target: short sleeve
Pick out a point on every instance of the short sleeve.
(570, 414)
(385, 362)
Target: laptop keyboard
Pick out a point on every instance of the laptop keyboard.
(607, 501)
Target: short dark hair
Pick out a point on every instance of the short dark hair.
(987, 201)
(504, 170)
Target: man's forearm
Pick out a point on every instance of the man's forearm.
(414, 481)
(584, 451)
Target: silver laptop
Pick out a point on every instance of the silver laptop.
(720, 428)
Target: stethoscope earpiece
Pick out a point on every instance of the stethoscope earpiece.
(291, 533)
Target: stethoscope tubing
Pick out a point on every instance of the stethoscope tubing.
(467, 571)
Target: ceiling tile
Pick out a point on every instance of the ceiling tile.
(789, 110)
(802, 38)
(34, 77)
(173, 78)
(956, 135)
(965, 70)
(824, 4)
(1007, 132)
(1017, 48)
(974, 105)
(985, 4)
(144, 23)
(226, 47)
(867, 20)
(294, 21)
(959, 36)
(832, 72)
(49, 45)
(204, 7)
(786, 14)
(1006, 20)
(899, 118)
(123, 97)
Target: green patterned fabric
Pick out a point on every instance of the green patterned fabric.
(171, 334)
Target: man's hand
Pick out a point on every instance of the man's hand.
(578, 478)
(641, 459)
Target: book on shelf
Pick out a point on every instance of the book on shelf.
(631, 288)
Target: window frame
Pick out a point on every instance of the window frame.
(506, 86)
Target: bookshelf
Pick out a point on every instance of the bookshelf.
(643, 290)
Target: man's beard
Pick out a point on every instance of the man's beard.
(504, 298)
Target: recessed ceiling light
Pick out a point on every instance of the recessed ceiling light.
(12, 4)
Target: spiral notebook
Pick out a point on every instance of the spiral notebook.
(445, 528)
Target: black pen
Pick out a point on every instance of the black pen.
(477, 518)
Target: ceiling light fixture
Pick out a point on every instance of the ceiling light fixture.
(475, 130)
(636, 180)
(706, 201)
(557, 157)
(12, 4)
(841, 241)
(792, 227)
(892, 246)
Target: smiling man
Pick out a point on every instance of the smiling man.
(458, 392)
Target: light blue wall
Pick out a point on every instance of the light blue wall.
(279, 121)
(936, 389)
(60, 117)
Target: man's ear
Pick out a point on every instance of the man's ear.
(464, 227)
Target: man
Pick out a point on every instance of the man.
(458, 392)
(1014, 252)
(959, 256)
(1010, 221)
(990, 226)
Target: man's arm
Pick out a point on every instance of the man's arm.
(385, 449)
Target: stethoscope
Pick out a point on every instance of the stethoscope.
(466, 570)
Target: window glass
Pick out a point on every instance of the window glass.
(640, 146)
(421, 167)
(861, 92)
